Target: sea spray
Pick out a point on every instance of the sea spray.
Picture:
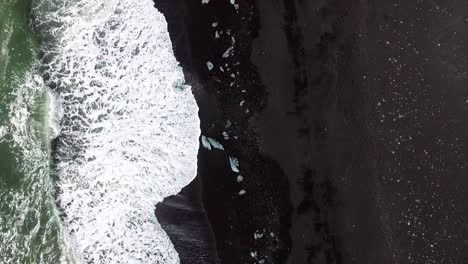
(129, 130)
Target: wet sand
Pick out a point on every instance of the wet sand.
(352, 137)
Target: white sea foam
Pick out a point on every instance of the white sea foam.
(55, 113)
(28, 212)
(129, 136)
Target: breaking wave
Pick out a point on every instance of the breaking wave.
(129, 127)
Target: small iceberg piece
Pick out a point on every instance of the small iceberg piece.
(258, 235)
(214, 24)
(242, 192)
(225, 135)
(215, 144)
(205, 1)
(234, 164)
(240, 178)
(242, 103)
(216, 35)
(208, 143)
(209, 65)
(228, 52)
(205, 143)
(233, 2)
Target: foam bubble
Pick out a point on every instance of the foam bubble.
(129, 134)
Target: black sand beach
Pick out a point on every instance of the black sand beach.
(350, 123)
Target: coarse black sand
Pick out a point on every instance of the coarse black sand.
(350, 122)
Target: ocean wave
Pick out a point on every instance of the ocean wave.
(129, 130)
(29, 224)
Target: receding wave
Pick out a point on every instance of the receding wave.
(129, 126)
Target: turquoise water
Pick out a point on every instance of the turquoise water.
(29, 223)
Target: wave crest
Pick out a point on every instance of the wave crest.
(129, 137)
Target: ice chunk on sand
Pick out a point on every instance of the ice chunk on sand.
(205, 143)
(225, 135)
(258, 235)
(209, 65)
(215, 144)
(228, 52)
(234, 164)
(208, 143)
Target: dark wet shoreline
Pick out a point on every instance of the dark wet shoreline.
(354, 144)
(264, 209)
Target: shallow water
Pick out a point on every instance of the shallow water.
(126, 129)
(29, 225)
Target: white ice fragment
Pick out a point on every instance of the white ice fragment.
(242, 103)
(215, 144)
(228, 124)
(225, 135)
(253, 254)
(233, 75)
(233, 2)
(205, 143)
(216, 35)
(214, 24)
(208, 143)
(209, 65)
(236, 6)
(221, 68)
(234, 164)
(258, 235)
(205, 1)
(242, 192)
(240, 178)
(228, 52)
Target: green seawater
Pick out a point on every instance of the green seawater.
(30, 230)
